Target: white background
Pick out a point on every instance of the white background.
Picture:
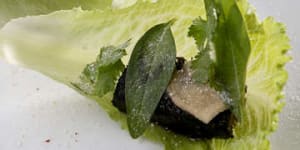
(34, 108)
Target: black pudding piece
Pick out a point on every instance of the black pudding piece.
(173, 118)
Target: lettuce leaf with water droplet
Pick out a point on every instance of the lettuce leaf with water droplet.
(62, 43)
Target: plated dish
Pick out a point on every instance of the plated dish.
(229, 63)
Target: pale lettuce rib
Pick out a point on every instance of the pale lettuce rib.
(60, 44)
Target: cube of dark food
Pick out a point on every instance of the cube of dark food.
(183, 121)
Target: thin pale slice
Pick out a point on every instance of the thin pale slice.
(200, 100)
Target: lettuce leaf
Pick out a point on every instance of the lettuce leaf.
(70, 39)
(60, 44)
(10, 9)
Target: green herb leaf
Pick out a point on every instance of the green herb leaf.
(232, 47)
(202, 65)
(203, 32)
(203, 68)
(149, 71)
(99, 77)
(198, 30)
(225, 34)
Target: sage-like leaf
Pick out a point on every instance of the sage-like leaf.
(149, 71)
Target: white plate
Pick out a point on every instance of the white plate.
(37, 113)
